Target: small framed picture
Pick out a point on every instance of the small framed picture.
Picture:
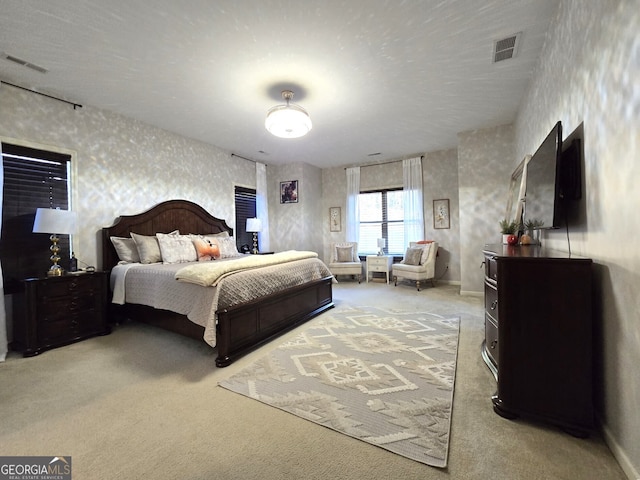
(335, 219)
(289, 191)
(441, 213)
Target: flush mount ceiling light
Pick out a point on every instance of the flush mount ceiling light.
(289, 120)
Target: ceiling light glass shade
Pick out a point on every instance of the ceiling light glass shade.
(288, 121)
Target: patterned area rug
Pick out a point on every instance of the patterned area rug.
(384, 377)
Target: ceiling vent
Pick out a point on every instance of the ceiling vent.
(506, 48)
(24, 63)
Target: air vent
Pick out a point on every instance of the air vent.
(506, 48)
(24, 63)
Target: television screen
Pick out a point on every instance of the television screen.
(542, 197)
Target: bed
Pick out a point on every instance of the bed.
(239, 327)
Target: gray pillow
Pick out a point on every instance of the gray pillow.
(148, 248)
(412, 256)
(126, 249)
(344, 254)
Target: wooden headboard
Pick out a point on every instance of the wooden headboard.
(182, 215)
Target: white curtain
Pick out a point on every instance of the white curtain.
(412, 198)
(262, 206)
(3, 313)
(353, 214)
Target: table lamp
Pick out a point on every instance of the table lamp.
(55, 222)
(381, 244)
(254, 225)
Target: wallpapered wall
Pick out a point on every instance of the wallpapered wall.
(298, 225)
(123, 166)
(485, 165)
(589, 78)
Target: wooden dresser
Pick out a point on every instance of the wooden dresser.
(56, 311)
(538, 335)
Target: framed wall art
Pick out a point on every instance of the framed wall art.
(289, 191)
(335, 219)
(441, 213)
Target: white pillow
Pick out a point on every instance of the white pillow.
(126, 249)
(176, 248)
(227, 246)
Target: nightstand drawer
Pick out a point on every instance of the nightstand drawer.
(378, 268)
(378, 262)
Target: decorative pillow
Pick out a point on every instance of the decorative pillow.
(148, 248)
(412, 256)
(176, 248)
(425, 245)
(227, 246)
(344, 254)
(126, 249)
(206, 250)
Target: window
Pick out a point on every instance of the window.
(245, 200)
(381, 216)
(32, 179)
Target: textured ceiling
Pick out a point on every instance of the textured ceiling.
(395, 77)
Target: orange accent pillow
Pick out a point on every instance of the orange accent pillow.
(206, 250)
(422, 242)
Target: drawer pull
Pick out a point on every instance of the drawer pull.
(493, 344)
(494, 304)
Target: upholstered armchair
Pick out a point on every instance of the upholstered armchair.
(345, 260)
(419, 263)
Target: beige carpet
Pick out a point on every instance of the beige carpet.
(143, 403)
(382, 376)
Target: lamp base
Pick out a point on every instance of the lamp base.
(55, 271)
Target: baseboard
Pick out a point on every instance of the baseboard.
(448, 282)
(619, 453)
(471, 293)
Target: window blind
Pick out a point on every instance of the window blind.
(32, 179)
(381, 216)
(245, 202)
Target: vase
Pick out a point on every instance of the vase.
(505, 237)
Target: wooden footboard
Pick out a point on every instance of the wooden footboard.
(244, 327)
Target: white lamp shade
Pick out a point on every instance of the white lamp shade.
(382, 243)
(288, 121)
(254, 225)
(50, 220)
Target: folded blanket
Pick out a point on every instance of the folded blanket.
(208, 274)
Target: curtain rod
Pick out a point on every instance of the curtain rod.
(382, 163)
(75, 105)
(245, 158)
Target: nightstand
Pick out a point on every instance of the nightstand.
(56, 311)
(379, 263)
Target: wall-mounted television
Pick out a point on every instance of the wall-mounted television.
(543, 193)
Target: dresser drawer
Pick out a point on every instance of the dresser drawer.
(491, 338)
(491, 301)
(491, 268)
